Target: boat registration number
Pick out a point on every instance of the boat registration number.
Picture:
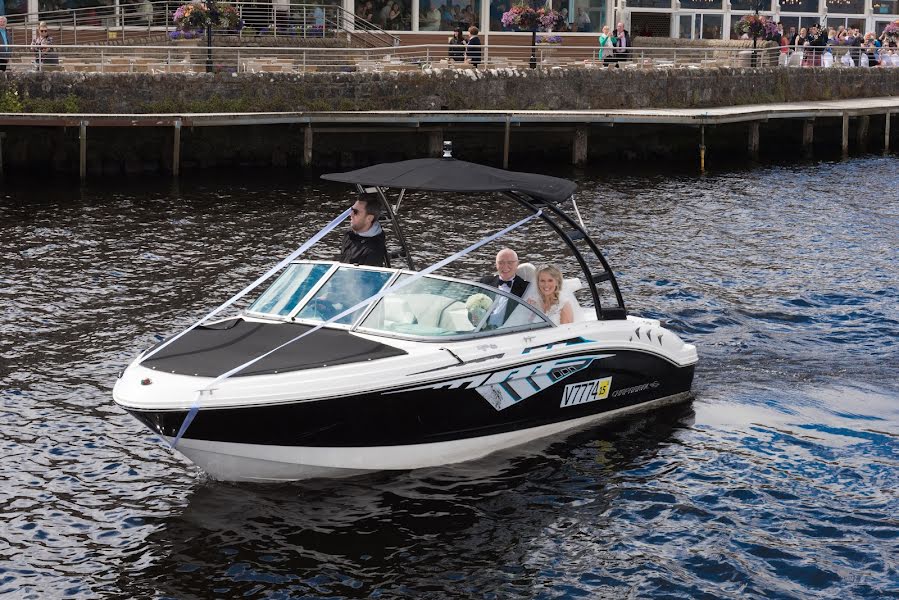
(586, 391)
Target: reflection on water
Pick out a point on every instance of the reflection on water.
(777, 481)
(442, 528)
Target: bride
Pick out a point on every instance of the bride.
(547, 296)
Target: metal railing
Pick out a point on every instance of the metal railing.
(141, 20)
(192, 56)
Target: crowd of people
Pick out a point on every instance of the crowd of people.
(816, 46)
(389, 14)
(437, 16)
(844, 44)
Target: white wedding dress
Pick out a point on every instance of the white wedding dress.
(566, 298)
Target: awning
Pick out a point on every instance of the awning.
(451, 175)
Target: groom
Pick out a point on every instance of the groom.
(507, 280)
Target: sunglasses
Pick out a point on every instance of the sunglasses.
(44, 30)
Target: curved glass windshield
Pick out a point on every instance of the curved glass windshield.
(430, 307)
(347, 287)
(283, 296)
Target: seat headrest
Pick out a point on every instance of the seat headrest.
(527, 271)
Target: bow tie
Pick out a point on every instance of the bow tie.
(503, 282)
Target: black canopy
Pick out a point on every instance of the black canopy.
(450, 175)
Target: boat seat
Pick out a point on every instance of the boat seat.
(527, 271)
(423, 314)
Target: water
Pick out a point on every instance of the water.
(778, 481)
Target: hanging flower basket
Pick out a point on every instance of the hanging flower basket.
(525, 18)
(892, 30)
(196, 17)
(757, 27)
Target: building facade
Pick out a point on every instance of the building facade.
(690, 19)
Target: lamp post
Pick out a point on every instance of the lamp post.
(213, 19)
(535, 5)
(756, 6)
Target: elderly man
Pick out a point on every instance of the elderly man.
(507, 280)
(5, 43)
(365, 242)
(621, 44)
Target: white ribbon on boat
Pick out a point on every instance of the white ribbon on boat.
(308, 244)
(194, 409)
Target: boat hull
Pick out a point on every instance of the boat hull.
(452, 419)
(257, 462)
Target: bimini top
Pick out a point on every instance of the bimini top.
(451, 175)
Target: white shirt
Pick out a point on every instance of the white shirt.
(498, 316)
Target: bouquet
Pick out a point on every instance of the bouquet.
(525, 18)
(477, 306)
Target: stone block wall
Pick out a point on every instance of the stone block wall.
(501, 89)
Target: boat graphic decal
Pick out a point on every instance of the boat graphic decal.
(508, 387)
(570, 342)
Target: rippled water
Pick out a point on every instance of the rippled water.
(779, 480)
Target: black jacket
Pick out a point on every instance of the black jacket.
(473, 50)
(519, 285)
(359, 250)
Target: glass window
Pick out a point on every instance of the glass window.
(392, 15)
(16, 7)
(444, 15)
(686, 27)
(708, 27)
(431, 307)
(584, 16)
(344, 289)
(847, 7)
(793, 25)
(847, 22)
(749, 5)
(649, 4)
(800, 6)
(883, 7)
(701, 4)
(292, 286)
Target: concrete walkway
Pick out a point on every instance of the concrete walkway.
(689, 116)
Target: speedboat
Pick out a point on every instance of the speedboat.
(336, 369)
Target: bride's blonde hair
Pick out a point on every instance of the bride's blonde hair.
(555, 274)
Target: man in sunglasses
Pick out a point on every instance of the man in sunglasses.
(365, 242)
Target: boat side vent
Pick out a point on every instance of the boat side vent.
(600, 277)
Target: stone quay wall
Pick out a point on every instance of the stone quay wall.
(500, 89)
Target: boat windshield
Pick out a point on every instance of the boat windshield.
(428, 306)
(283, 296)
(436, 307)
(345, 288)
